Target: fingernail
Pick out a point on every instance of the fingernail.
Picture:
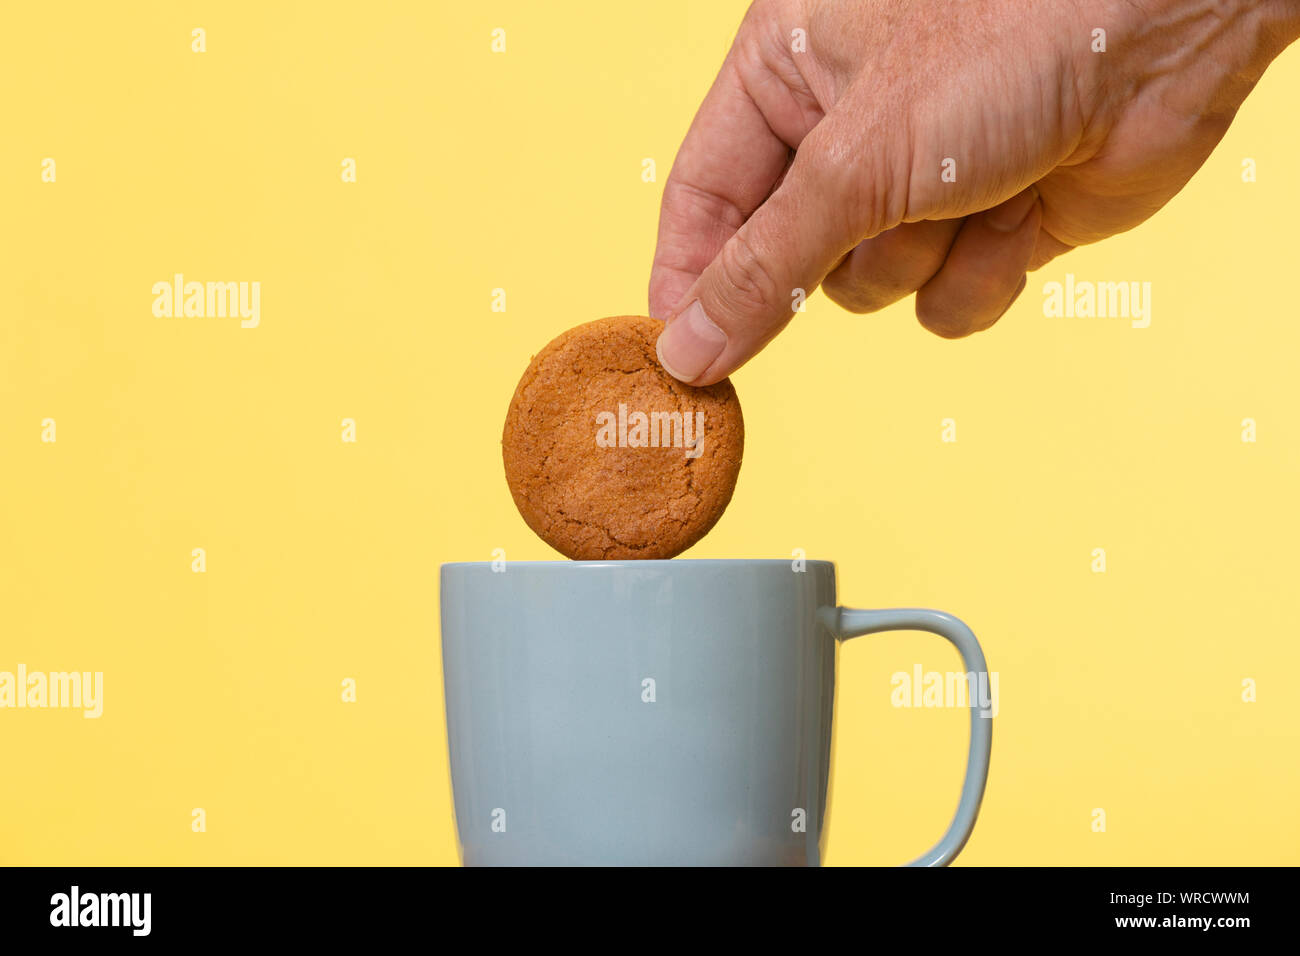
(689, 344)
(1008, 216)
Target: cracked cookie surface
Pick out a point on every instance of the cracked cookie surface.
(594, 480)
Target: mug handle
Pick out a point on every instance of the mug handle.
(844, 622)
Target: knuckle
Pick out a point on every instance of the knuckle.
(748, 284)
(832, 171)
(944, 323)
(859, 174)
(850, 295)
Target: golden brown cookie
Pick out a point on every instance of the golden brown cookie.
(610, 457)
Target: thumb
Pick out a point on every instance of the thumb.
(748, 293)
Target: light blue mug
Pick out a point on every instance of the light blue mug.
(658, 712)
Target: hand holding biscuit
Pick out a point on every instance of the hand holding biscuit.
(879, 148)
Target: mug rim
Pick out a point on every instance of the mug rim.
(642, 563)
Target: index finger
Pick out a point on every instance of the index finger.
(726, 166)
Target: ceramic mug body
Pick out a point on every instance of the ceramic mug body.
(643, 712)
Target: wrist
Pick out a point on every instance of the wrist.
(1256, 31)
(1282, 18)
(1212, 50)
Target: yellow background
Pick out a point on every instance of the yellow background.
(522, 171)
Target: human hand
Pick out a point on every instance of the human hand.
(826, 165)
